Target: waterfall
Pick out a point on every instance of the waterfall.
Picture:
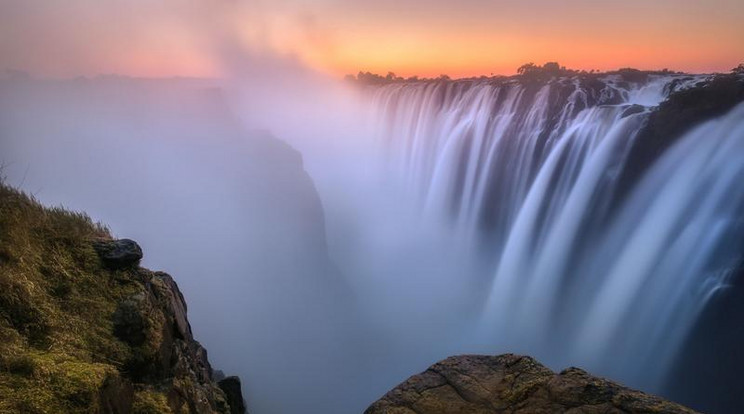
(530, 173)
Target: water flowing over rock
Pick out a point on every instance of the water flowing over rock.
(513, 384)
(604, 252)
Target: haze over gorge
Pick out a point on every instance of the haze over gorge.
(476, 234)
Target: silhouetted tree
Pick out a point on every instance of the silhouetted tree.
(527, 68)
(632, 75)
(370, 78)
(554, 67)
(544, 72)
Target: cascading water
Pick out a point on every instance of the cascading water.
(531, 173)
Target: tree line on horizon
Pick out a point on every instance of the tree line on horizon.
(528, 71)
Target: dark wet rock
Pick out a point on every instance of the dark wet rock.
(632, 110)
(689, 107)
(706, 374)
(218, 375)
(233, 391)
(677, 83)
(118, 254)
(633, 75)
(513, 384)
(683, 110)
(175, 305)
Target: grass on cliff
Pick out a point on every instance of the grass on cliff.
(57, 346)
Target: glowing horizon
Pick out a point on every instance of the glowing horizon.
(413, 37)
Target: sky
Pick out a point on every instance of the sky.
(64, 38)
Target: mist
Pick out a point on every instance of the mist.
(307, 272)
(331, 240)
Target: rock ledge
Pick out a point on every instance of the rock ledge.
(513, 384)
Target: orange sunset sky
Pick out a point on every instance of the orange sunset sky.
(63, 38)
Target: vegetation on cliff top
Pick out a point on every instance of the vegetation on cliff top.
(55, 342)
(527, 72)
(58, 349)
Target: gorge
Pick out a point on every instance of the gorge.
(590, 220)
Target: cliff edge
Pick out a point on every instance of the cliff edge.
(85, 329)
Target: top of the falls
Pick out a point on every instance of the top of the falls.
(647, 89)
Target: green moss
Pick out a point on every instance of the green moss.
(43, 382)
(150, 402)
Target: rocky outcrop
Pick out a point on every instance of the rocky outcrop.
(118, 254)
(233, 391)
(682, 111)
(84, 329)
(168, 360)
(513, 384)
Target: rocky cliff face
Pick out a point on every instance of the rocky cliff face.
(512, 384)
(682, 111)
(84, 329)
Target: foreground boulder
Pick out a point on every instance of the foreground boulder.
(513, 384)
